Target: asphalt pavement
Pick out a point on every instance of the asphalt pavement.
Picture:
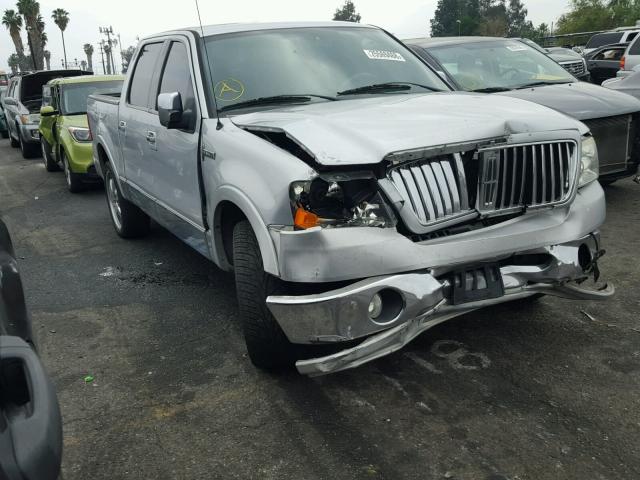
(549, 390)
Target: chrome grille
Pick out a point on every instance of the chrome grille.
(436, 190)
(575, 67)
(613, 138)
(524, 175)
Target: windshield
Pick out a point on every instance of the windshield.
(498, 65)
(316, 62)
(602, 39)
(74, 96)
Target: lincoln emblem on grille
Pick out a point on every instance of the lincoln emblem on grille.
(489, 179)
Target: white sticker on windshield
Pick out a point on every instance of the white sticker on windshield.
(384, 55)
(516, 48)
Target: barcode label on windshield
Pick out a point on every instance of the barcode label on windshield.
(384, 55)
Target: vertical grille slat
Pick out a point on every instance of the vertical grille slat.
(506, 178)
(529, 175)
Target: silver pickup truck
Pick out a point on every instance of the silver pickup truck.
(358, 201)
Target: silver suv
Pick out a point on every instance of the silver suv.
(357, 199)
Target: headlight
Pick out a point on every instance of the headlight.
(80, 134)
(340, 203)
(589, 165)
(31, 119)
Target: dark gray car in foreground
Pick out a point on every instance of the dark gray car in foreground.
(30, 424)
(512, 68)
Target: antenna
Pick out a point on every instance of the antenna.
(206, 54)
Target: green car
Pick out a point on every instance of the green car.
(64, 132)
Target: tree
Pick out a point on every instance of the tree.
(107, 52)
(588, 16)
(88, 51)
(61, 18)
(83, 64)
(347, 13)
(127, 55)
(14, 63)
(30, 11)
(518, 26)
(47, 59)
(456, 17)
(13, 22)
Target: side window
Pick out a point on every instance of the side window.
(176, 77)
(609, 54)
(634, 49)
(142, 76)
(631, 36)
(46, 96)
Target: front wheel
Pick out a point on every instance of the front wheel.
(128, 220)
(28, 150)
(267, 345)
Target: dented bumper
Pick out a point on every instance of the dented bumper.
(420, 300)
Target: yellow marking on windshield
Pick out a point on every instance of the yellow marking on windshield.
(228, 90)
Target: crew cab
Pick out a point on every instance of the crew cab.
(357, 199)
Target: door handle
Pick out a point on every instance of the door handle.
(151, 137)
(122, 124)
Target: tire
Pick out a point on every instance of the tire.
(128, 220)
(28, 150)
(74, 180)
(14, 143)
(4, 134)
(606, 182)
(49, 164)
(267, 344)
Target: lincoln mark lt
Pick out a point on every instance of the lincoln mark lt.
(357, 199)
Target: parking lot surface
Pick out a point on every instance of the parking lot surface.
(547, 390)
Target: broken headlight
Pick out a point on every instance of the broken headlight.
(349, 203)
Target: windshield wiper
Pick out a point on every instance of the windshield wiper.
(273, 100)
(491, 89)
(385, 87)
(539, 84)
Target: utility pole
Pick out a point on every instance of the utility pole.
(104, 70)
(121, 55)
(108, 31)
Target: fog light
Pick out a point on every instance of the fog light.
(375, 306)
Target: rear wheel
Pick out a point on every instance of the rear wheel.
(267, 345)
(128, 220)
(49, 164)
(74, 180)
(14, 143)
(4, 134)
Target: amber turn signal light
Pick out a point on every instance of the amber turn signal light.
(304, 219)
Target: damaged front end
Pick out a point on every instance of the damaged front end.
(388, 312)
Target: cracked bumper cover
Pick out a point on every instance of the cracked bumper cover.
(342, 315)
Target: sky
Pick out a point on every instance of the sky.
(138, 18)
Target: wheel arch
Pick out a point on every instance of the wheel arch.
(232, 207)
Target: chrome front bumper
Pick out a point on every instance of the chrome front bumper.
(342, 315)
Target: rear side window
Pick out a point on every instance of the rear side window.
(177, 76)
(142, 75)
(634, 49)
(631, 36)
(610, 54)
(602, 39)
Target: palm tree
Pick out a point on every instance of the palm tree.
(88, 50)
(61, 19)
(47, 59)
(13, 22)
(30, 11)
(14, 62)
(107, 52)
(83, 64)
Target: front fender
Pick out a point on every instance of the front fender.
(229, 193)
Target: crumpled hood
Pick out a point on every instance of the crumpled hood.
(364, 131)
(581, 100)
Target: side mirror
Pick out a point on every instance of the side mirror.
(170, 110)
(47, 111)
(10, 101)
